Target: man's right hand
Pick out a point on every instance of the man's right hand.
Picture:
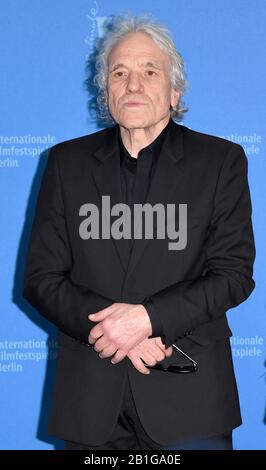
(151, 351)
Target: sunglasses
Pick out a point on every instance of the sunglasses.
(177, 369)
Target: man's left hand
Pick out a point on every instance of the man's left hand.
(121, 327)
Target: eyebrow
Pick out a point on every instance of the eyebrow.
(117, 66)
(147, 64)
(152, 65)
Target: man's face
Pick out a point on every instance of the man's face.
(139, 88)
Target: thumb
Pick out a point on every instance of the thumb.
(101, 315)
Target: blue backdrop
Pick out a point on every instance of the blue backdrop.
(44, 46)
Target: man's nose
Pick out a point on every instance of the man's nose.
(134, 82)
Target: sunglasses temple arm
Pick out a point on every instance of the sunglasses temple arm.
(182, 352)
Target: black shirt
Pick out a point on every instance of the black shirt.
(136, 176)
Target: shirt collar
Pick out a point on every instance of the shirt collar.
(154, 147)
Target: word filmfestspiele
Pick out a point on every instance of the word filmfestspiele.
(121, 227)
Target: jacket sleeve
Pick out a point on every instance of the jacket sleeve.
(229, 251)
(47, 284)
(156, 324)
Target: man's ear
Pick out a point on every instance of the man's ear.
(174, 97)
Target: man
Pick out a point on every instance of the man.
(122, 305)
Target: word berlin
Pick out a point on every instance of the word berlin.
(121, 227)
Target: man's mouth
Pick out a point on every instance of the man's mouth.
(134, 103)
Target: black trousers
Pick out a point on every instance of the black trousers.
(129, 434)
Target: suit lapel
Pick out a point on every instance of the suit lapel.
(164, 185)
(108, 183)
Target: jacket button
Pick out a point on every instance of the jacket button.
(189, 332)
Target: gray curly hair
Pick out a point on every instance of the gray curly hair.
(116, 29)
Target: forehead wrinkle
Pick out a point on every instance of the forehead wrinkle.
(132, 50)
(143, 60)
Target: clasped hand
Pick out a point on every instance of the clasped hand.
(123, 330)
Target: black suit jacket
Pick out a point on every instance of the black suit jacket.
(66, 278)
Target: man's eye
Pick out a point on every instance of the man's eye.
(119, 74)
(151, 72)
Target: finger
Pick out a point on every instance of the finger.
(159, 343)
(157, 352)
(139, 365)
(149, 351)
(119, 356)
(149, 359)
(101, 344)
(169, 351)
(107, 352)
(160, 355)
(95, 333)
